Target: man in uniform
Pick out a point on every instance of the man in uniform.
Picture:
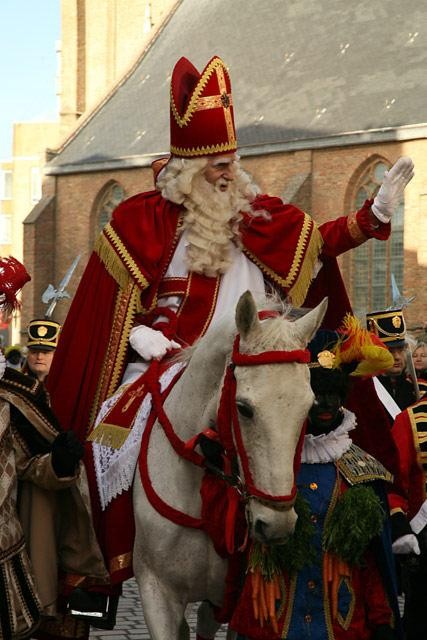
(390, 327)
(409, 513)
(173, 260)
(42, 341)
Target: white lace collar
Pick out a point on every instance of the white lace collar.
(328, 447)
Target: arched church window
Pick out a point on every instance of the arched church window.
(374, 262)
(112, 195)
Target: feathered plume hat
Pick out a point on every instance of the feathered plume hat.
(351, 349)
(13, 276)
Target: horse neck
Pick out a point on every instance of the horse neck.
(193, 400)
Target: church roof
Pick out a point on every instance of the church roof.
(305, 73)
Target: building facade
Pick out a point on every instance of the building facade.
(313, 127)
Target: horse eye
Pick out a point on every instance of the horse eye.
(245, 409)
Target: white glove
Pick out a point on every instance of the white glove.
(391, 190)
(406, 544)
(150, 343)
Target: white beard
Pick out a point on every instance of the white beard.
(211, 216)
(211, 219)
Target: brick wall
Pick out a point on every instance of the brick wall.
(322, 182)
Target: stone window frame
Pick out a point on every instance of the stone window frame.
(372, 264)
(108, 198)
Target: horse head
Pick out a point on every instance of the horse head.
(270, 406)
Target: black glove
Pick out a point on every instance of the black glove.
(67, 451)
(399, 526)
(384, 632)
(422, 541)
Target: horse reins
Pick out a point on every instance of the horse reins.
(229, 431)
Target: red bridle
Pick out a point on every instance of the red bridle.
(230, 434)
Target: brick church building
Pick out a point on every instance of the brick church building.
(327, 95)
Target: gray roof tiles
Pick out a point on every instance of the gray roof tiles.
(301, 70)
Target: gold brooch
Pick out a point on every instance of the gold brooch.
(397, 322)
(326, 359)
(225, 100)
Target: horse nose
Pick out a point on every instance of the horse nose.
(260, 528)
(272, 526)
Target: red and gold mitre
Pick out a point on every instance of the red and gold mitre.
(202, 117)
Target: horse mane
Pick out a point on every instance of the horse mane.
(273, 334)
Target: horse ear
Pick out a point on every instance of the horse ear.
(308, 324)
(246, 315)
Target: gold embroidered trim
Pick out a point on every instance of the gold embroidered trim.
(213, 305)
(304, 277)
(396, 510)
(226, 105)
(413, 421)
(120, 562)
(354, 230)
(297, 290)
(326, 603)
(345, 622)
(181, 121)
(204, 151)
(119, 263)
(382, 332)
(358, 467)
(109, 435)
(126, 307)
(30, 411)
(213, 102)
(290, 605)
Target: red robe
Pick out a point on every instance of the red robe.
(124, 276)
(410, 434)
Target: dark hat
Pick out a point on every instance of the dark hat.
(389, 326)
(43, 335)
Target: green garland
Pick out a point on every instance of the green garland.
(357, 517)
(297, 552)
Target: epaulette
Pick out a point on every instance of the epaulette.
(357, 467)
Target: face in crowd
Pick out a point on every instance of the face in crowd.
(420, 358)
(39, 362)
(399, 364)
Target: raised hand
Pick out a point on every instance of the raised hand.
(391, 190)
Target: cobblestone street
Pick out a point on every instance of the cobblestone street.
(130, 619)
(131, 624)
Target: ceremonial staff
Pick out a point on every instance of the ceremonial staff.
(52, 295)
(402, 302)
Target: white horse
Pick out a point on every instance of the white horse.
(175, 565)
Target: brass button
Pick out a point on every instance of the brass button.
(308, 618)
(311, 585)
(313, 518)
(313, 486)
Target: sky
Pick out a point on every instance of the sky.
(29, 31)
